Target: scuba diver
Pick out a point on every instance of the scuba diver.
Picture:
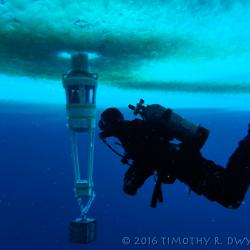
(150, 148)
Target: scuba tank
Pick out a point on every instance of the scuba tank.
(177, 126)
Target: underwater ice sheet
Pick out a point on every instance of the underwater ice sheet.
(191, 53)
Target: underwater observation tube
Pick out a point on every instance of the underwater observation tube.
(80, 87)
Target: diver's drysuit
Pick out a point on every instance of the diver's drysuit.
(147, 144)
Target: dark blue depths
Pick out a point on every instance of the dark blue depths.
(37, 200)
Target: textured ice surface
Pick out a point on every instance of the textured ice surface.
(195, 46)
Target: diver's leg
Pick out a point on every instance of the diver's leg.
(238, 167)
(226, 186)
(204, 177)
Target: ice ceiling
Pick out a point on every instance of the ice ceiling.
(197, 47)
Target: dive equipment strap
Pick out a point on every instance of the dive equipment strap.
(157, 194)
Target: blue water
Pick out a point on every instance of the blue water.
(37, 200)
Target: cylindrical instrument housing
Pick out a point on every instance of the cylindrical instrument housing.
(177, 126)
(80, 88)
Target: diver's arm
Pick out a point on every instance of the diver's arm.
(136, 175)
